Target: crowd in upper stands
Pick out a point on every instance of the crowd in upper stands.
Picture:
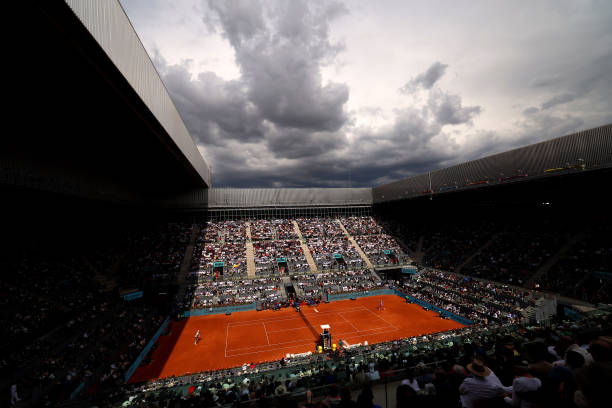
(538, 251)
(478, 301)
(208, 294)
(272, 230)
(267, 253)
(581, 271)
(319, 227)
(315, 286)
(361, 225)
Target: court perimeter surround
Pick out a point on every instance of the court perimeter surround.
(245, 337)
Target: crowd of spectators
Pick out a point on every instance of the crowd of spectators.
(319, 227)
(449, 246)
(275, 229)
(361, 225)
(61, 328)
(154, 255)
(267, 252)
(317, 285)
(584, 271)
(476, 300)
(209, 294)
(374, 246)
(224, 231)
(574, 259)
(220, 241)
(323, 249)
(515, 254)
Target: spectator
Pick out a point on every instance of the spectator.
(482, 386)
(524, 389)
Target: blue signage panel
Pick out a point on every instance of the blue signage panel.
(387, 252)
(338, 256)
(132, 296)
(603, 275)
(219, 264)
(281, 259)
(410, 271)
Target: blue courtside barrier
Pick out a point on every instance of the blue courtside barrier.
(422, 303)
(144, 351)
(375, 292)
(77, 391)
(221, 310)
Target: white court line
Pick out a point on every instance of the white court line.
(382, 319)
(286, 330)
(271, 344)
(249, 322)
(344, 318)
(266, 330)
(309, 344)
(356, 333)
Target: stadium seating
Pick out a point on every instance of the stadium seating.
(99, 335)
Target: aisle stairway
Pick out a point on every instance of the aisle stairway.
(250, 256)
(186, 263)
(552, 261)
(476, 253)
(361, 253)
(418, 252)
(249, 252)
(248, 231)
(305, 250)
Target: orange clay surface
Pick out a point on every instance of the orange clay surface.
(245, 337)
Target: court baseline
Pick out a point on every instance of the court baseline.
(231, 352)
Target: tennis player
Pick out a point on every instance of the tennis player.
(197, 337)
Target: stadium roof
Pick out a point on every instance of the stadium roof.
(588, 150)
(94, 118)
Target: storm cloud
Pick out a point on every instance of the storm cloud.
(426, 79)
(305, 93)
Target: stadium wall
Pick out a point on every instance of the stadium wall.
(287, 197)
(582, 151)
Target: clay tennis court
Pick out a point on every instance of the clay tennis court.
(245, 337)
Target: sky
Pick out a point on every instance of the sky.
(359, 93)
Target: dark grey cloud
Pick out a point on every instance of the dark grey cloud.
(426, 79)
(448, 109)
(280, 48)
(214, 109)
(558, 100)
(281, 124)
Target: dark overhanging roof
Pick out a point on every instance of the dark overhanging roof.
(585, 151)
(92, 117)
